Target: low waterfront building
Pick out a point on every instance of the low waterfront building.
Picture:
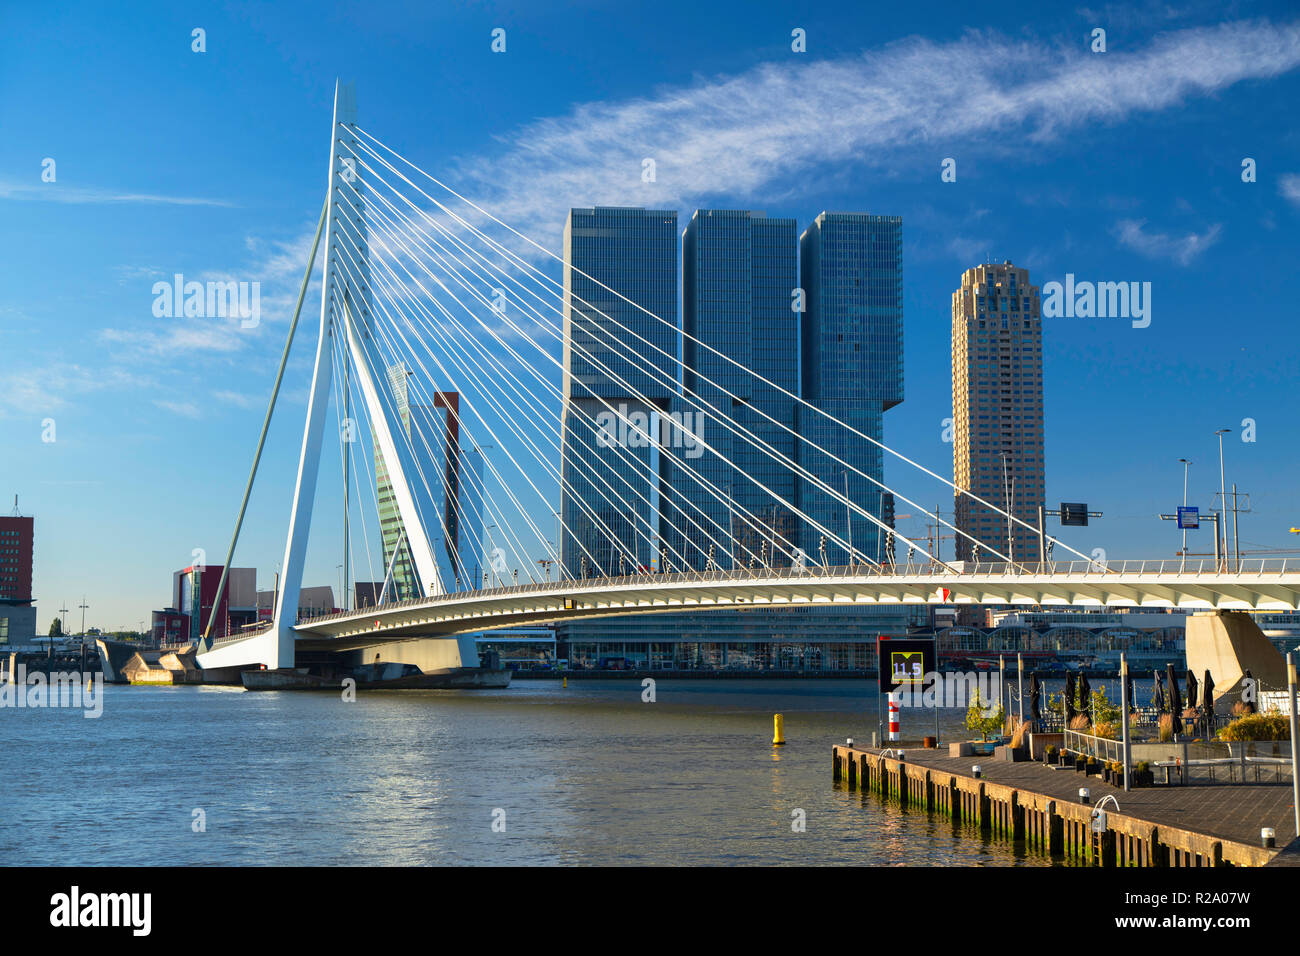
(194, 592)
(805, 639)
(1149, 638)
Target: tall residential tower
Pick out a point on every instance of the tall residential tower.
(997, 410)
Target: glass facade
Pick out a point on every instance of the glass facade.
(620, 376)
(739, 279)
(852, 362)
(759, 639)
(739, 274)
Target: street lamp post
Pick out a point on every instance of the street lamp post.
(1223, 490)
(1186, 463)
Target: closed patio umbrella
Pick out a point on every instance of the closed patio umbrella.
(1207, 701)
(1069, 699)
(1085, 697)
(1034, 691)
(1175, 697)
(1158, 693)
(1249, 682)
(1191, 688)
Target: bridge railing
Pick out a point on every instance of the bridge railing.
(1163, 567)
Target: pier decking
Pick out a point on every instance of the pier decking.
(1194, 825)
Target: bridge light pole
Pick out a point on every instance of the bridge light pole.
(1186, 464)
(1223, 496)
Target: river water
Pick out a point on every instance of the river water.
(534, 774)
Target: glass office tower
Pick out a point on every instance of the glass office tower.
(852, 360)
(620, 375)
(739, 275)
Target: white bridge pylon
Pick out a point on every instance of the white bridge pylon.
(345, 313)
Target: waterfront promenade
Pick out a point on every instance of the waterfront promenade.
(1191, 825)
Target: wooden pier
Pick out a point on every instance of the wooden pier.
(1028, 802)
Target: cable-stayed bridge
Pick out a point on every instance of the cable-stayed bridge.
(442, 337)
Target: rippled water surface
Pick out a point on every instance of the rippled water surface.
(584, 774)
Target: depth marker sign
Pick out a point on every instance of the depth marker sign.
(904, 662)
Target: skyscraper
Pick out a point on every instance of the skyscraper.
(852, 276)
(449, 463)
(620, 376)
(997, 410)
(739, 274)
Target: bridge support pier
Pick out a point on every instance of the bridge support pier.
(428, 654)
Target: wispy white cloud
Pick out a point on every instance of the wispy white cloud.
(914, 100)
(184, 409)
(1159, 245)
(39, 391)
(179, 337)
(1289, 186)
(57, 192)
(238, 399)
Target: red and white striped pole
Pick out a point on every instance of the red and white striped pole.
(893, 715)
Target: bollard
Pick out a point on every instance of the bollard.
(778, 730)
(976, 771)
(1084, 795)
(1268, 837)
(893, 716)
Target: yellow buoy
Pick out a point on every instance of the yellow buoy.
(778, 730)
(566, 682)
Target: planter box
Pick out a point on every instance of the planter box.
(1039, 742)
(963, 749)
(1011, 754)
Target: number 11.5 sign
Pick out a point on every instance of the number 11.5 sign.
(904, 662)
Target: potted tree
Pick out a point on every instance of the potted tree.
(979, 720)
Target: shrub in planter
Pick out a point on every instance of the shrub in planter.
(1143, 775)
(1093, 768)
(1080, 762)
(1271, 726)
(1050, 754)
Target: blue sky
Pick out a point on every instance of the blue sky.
(1117, 166)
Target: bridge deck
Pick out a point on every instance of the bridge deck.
(1260, 586)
